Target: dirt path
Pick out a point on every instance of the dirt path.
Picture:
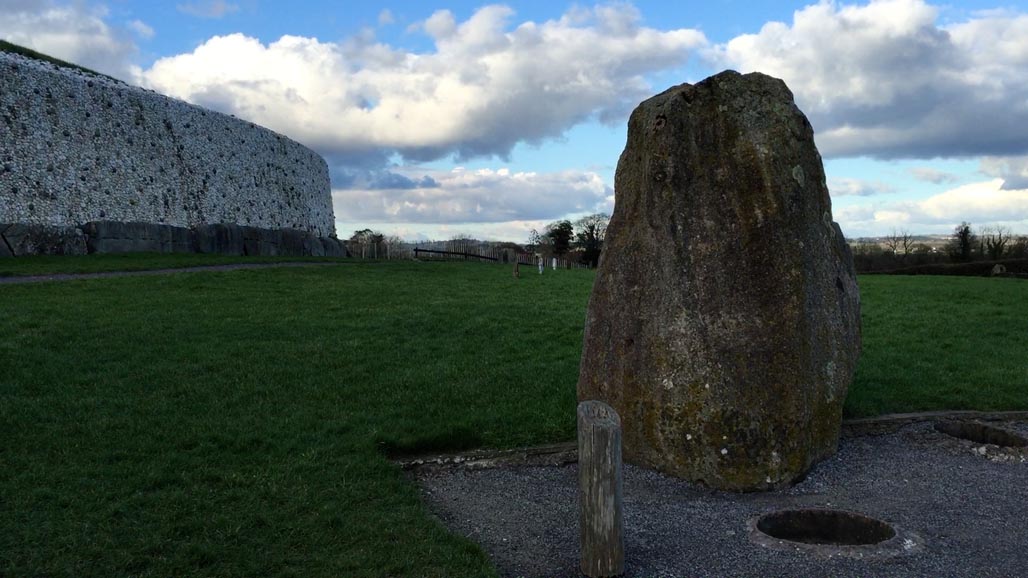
(199, 268)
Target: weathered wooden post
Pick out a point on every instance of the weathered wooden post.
(599, 490)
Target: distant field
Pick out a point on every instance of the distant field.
(234, 424)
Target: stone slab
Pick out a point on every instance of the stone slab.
(24, 239)
(224, 239)
(5, 251)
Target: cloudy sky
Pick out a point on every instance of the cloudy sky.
(458, 117)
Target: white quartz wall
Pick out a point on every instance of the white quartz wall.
(75, 148)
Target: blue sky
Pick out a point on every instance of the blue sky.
(489, 120)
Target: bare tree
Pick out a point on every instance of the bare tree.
(892, 242)
(995, 239)
(393, 246)
(907, 242)
(899, 244)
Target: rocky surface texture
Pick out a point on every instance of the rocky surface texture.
(78, 148)
(724, 323)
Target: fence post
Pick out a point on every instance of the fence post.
(600, 519)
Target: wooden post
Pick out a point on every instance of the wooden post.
(599, 490)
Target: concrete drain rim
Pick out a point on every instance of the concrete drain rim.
(981, 433)
(902, 543)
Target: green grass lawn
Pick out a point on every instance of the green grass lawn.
(53, 264)
(937, 343)
(234, 424)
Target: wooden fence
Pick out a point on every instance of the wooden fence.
(457, 250)
(497, 255)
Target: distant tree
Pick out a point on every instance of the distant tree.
(899, 244)
(368, 241)
(592, 229)
(462, 243)
(560, 234)
(1018, 248)
(392, 244)
(961, 247)
(906, 242)
(363, 236)
(891, 242)
(996, 239)
(537, 242)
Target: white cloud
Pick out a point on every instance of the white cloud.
(977, 202)
(933, 175)
(142, 29)
(486, 86)
(885, 79)
(480, 196)
(515, 231)
(386, 17)
(208, 8)
(983, 204)
(441, 24)
(75, 32)
(844, 186)
(1013, 170)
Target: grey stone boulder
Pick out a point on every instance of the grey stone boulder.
(333, 247)
(23, 239)
(5, 251)
(177, 239)
(137, 237)
(258, 241)
(293, 242)
(724, 322)
(222, 238)
(313, 246)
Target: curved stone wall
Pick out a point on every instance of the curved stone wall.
(78, 148)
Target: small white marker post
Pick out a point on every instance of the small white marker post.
(600, 517)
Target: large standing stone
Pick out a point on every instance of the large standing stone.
(724, 323)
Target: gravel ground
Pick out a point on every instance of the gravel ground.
(959, 509)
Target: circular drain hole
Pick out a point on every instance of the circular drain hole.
(825, 527)
(981, 433)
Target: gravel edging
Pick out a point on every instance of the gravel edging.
(567, 452)
(957, 505)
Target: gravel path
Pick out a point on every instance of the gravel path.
(959, 508)
(12, 280)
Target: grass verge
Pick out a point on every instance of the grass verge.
(29, 53)
(233, 424)
(55, 264)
